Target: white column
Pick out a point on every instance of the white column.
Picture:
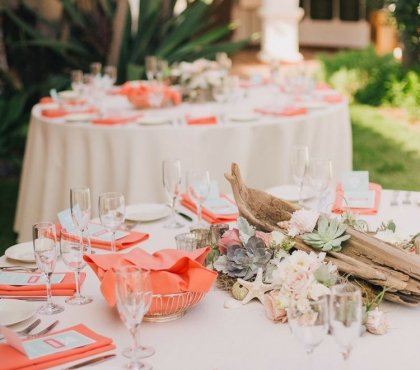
(280, 21)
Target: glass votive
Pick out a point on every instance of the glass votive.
(191, 241)
(216, 232)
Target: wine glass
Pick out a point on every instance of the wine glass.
(171, 175)
(110, 75)
(198, 188)
(299, 163)
(77, 81)
(308, 321)
(345, 316)
(80, 208)
(221, 94)
(72, 251)
(112, 213)
(45, 250)
(156, 94)
(320, 178)
(134, 296)
(151, 65)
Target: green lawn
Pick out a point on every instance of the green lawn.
(389, 150)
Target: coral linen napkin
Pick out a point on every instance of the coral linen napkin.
(335, 98)
(116, 120)
(67, 287)
(171, 270)
(283, 112)
(60, 112)
(12, 359)
(205, 120)
(339, 207)
(207, 215)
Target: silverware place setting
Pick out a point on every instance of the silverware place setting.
(26, 331)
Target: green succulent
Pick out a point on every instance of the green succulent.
(329, 235)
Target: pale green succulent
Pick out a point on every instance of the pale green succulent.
(328, 236)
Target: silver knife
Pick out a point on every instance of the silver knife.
(95, 361)
(189, 218)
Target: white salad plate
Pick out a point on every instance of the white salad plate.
(243, 118)
(79, 117)
(147, 212)
(21, 252)
(289, 193)
(153, 121)
(13, 311)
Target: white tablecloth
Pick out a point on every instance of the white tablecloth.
(210, 337)
(128, 158)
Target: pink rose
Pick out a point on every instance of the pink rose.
(298, 284)
(229, 238)
(271, 309)
(266, 238)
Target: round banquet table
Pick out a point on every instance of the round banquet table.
(128, 158)
(211, 337)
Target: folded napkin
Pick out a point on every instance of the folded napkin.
(61, 112)
(49, 100)
(126, 242)
(340, 206)
(205, 120)
(12, 359)
(336, 98)
(115, 120)
(322, 86)
(209, 216)
(46, 100)
(283, 112)
(171, 270)
(67, 287)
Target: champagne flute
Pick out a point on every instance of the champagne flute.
(299, 163)
(72, 251)
(345, 316)
(134, 296)
(111, 214)
(171, 175)
(308, 321)
(45, 250)
(77, 81)
(151, 65)
(198, 188)
(110, 75)
(320, 178)
(80, 208)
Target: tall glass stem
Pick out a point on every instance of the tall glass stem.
(173, 221)
(135, 346)
(199, 210)
(113, 244)
(49, 299)
(76, 276)
(86, 238)
(300, 202)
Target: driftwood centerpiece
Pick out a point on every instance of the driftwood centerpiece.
(363, 256)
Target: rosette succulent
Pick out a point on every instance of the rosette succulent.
(244, 261)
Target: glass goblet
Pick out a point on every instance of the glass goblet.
(134, 296)
(320, 179)
(299, 164)
(80, 208)
(345, 316)
(198, 188)
(112, 214)
(171, 176)
(45, 250)
(72, 251)
(151, 65)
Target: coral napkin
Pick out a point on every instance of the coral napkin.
(205, 120)
(339, 207)
(336, 98)
(209, 216)
(126, 242)
(171, 270)
(283, 112)
(116, 120)
(67, 287)
(12, 359)
(60, 112)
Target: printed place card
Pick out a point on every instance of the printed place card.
(355, 181)
(356, 191)
(218, 204)
(20, 279)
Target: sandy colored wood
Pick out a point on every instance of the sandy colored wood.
(362, 256)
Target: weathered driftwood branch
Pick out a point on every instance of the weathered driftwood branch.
(363, 256)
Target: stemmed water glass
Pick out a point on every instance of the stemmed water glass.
(198, 188)
(45, 250)
(72, 251)
(110, 75)
(345, 316)
(299, 163)
(308, 321)
(320, 178)
(151, 65)
(80, 208)
(112, 213)
(77, 81)
(171, 176)
(134, 296)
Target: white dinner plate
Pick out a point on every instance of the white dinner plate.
(243, 118)
(153, 121)
(68, 94)
(21, 252)
(13, 311)
(148, 212)
(289, 193)
(79, 117)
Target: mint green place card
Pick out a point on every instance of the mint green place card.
(20, 279)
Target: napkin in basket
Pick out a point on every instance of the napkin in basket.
(12, 359)
(171, 270)
(66, 287)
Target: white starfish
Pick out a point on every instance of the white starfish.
(256, 288)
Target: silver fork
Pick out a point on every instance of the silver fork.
(18, 268)
(26, 330)
(43, 331)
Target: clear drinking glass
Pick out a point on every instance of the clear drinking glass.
(198, 188)
(299, 163)
(320, 178)
(134, 296)
(81, 209)
(156, 94)
(308, 321)
(45, 250)
(171, 176)
(151, 65)
(110, 75)
(345, 316)
(72, 251)
(77, 81)
(112, 213)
